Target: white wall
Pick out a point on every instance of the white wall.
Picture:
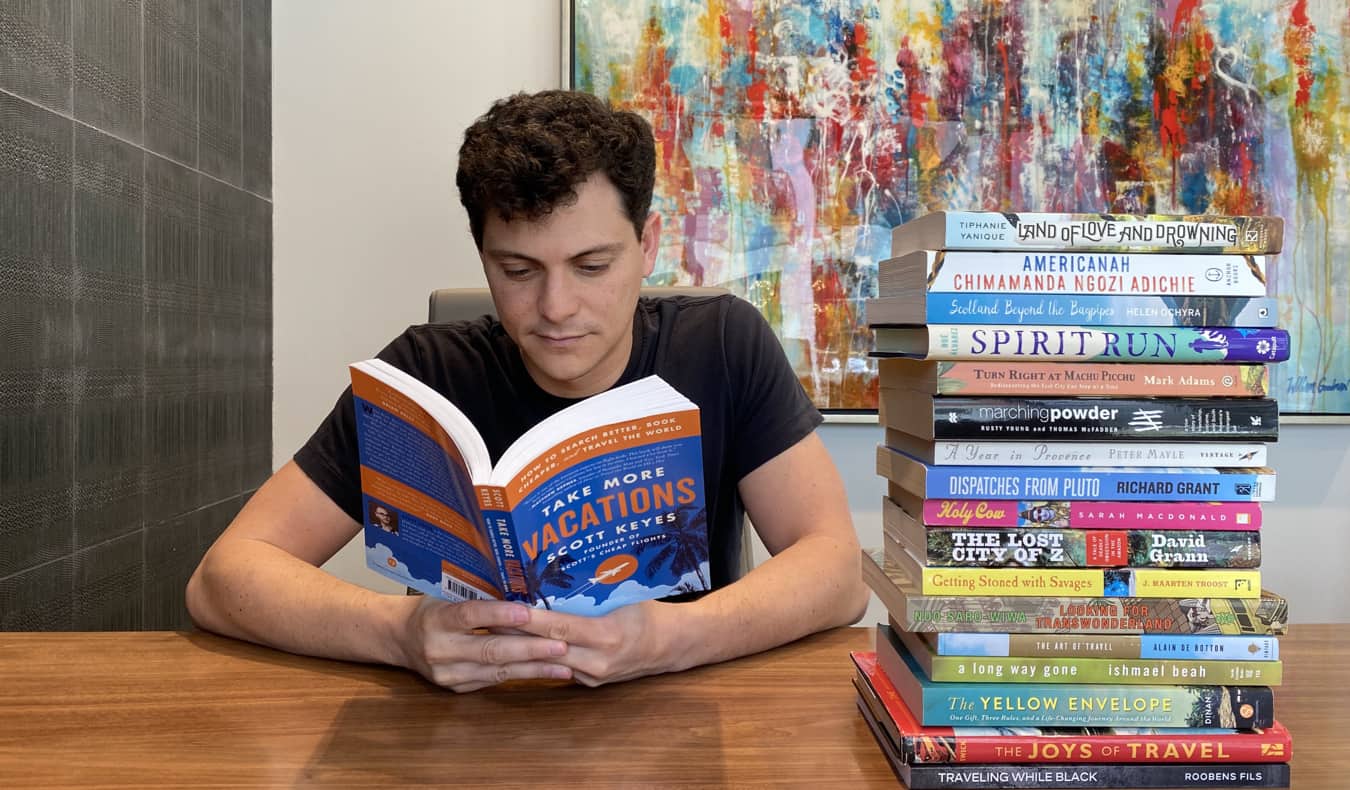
(370, 100)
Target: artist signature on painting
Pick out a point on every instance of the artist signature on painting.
(1302, 384)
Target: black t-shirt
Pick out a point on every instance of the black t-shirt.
(716, 350)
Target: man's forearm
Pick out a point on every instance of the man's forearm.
(250, 589)
(812, 585)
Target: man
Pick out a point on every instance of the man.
(383, 518)
(558, 189)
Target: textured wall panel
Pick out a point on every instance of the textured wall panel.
(172, 551)
(170, 56)
(39, 599)
(36, 415)
(224, 255)
(257, 89)
(108, 585)
(35, 59)
(109, 337)
(257, 344)
(108, 66)
(219, 100)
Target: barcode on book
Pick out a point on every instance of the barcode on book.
(463, 592)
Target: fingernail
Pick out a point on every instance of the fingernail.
(561, 673)
(557, 648)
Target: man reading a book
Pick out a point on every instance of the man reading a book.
(558, 190)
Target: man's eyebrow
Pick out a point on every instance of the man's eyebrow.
(613, 248)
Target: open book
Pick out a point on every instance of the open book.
(597, 506)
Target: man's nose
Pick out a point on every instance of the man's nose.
(558, 297)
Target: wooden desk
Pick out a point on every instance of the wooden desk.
(188, 710)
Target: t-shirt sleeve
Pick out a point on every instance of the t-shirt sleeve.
(330, 457)
(770, 409)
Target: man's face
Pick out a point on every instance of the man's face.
(566, 285)
(382, 517)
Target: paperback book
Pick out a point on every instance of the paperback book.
(958, 418)
(597, 506)
(1048, 343)
(943, 452)
(1070, 272)
(1066, 614)
(1178, 646)
(1189, 484)
(942, 512)
(1075, 379)
(1068, 704)
(989, 230)
(1076, 669)
(919, 745)
(924, 307)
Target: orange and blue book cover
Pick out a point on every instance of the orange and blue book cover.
(598, 506)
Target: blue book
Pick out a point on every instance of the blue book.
(1067, 704)
(1071, 309)
(1072, 483)
(598, 506)
(1170, 646)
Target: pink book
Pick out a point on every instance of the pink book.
(1092, 515)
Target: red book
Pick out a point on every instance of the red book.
(919, 744)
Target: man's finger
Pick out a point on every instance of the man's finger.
(470, 615)
(464, 676)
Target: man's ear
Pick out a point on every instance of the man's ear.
(651, 242)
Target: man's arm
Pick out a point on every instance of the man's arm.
(812, 582)
(261, 582)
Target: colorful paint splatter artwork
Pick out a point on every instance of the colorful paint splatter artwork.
(794, 134)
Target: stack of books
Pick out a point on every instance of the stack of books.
(1076, 414)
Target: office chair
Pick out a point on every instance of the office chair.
(458, 304)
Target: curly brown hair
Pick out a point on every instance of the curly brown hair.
(528, 153)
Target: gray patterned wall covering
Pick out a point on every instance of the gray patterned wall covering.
(135, 300)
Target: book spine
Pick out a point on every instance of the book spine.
(1146, 646)
(1103, 379)
(1072, 419)
(1004, 453)
(1107, 273)
(1137, 775)
(920, 744)
(1103, 343)
(1049, 614)
(1024, 669)
(1092, 515)
(1184, 484)
(501, 536)
(985, 230)
(1085, 310)
(1091, 582)
(1076, 548)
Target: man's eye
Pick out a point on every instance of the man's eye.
(593, 268)
(516, 272)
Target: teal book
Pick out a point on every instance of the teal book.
(1068, 704)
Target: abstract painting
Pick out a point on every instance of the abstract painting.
(793, 135)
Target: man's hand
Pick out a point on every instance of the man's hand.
(629, 642)
(471, 645)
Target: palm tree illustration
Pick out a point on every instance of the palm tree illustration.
(552, 574)
(685, 546)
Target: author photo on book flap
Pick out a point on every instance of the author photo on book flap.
(569, 479)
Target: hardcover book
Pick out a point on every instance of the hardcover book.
(957, 418)
(1077, 669)
(1187, 483)
(1080, 515)
(919, 745)
(1048, 343)
(922, 307)
(1073, 272)
(1098, 379)
(943, 452)
(989, 230)
(597, 506)
(1179, 646)
(1053, 547)
(1065, 614)
(1068, 704)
